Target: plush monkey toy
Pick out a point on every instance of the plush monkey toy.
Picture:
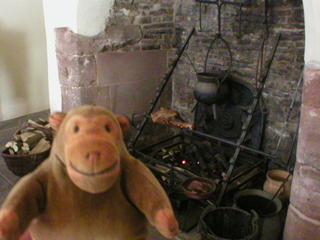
(90, 187)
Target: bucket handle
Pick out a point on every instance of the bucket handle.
(255, 219)
(255, 216)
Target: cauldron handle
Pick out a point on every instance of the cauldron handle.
(218, 36)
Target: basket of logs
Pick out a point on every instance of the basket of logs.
(29, 147)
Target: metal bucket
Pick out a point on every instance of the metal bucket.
(228, 223)
(269, 219)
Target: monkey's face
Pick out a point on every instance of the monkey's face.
(91, 151)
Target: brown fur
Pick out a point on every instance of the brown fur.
(89, 188)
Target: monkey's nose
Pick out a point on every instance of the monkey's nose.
(93, 159)
(92, 156)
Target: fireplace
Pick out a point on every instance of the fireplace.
(148, 28)
(206, 151)
(163, 27)
(222, 147)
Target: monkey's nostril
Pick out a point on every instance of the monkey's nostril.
(93, 155)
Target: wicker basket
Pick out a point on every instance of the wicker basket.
(21, 165)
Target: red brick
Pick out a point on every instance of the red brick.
(311, 88)
(299, 227)
(115, 37)
(77, 71)
(76, 96)
(309, 136)
(305, 190)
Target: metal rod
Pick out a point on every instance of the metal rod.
(232, 144)
(206, 1)
(246, 171)
(246, 125)
(219, 4)
(290, 108)
(272, 56)
(194, 68)
(245, 3)
(279, 189)
(166, 80)
(240, 20)
(162, 142)
(200, 20)
(295, 135)
(219, 18)
(266, 10)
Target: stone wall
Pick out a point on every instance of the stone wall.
(303, 215)
(135, 26)
(285, 17)
(164, 26)
(155, 17)
(77, 63)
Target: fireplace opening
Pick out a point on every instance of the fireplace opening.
(221, 146)
(206, 150)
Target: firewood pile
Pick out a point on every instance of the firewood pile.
(33, 138)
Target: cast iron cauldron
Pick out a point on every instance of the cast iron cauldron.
(211, 88)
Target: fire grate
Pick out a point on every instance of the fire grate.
(198, 153)
(185, 155)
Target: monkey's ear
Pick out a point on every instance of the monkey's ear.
(55, 119)
(124, 123)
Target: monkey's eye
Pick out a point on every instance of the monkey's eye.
(107, 128)
(76, 128)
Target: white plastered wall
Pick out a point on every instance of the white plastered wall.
(23, 59)
(312, 30)
(86, 17)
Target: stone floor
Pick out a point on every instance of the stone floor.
(8, 179)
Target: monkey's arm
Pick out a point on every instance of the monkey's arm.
(25, 201)
(145, 191)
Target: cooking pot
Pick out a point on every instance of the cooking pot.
(209, 91)
(212, 88)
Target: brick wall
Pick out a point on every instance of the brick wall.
(156, 19)
(285, 17)
(164, 26)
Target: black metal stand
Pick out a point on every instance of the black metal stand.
(239, 144)
(246, 125)
(159, 90)
(219, 4)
